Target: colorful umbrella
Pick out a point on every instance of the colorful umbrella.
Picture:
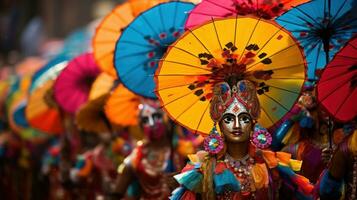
(16, 104)
(103, 84)
(336, 90)
(78, 42)
(107, 34)
(110, 29)
(266, 9)
(42, 112)
(72, 86)
(256, 49)
(322, 27)
(144, 42)
(91, 117)
(122, 107)
(50, 71)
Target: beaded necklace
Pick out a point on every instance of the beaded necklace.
(242, 170)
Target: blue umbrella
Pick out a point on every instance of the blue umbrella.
(144, 42)
(50, 71)
(77, 42)
(322, 27)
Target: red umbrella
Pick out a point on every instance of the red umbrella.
(336, 90)
(72, 86)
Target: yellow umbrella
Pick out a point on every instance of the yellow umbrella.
(91, 117)
(122, 107)
(102, 85)
(257, 50)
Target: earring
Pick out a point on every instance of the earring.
(261, 137)
(213, 143)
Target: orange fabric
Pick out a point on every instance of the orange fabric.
(283, 157)
(260, 175)
(270, 159)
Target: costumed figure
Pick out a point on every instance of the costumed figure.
(236, 164)
(305, 135)
(144, 174)
(339, 180)
(96, 168)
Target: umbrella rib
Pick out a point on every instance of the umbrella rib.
(135, 43)
(185, 51)
(186, 109)
(307, 15)
(289, 22)
(199, 41)
(135, 30)
(339, 10)
(309, 50)
(334, 90)
(175, 15)
(287, 67)
(276, 101)
(131, 55)
(340, 106)
(235, 29)
(110, 29)
(180, 63)
(335, 76)
(269, 40)
(349, 57)
(176, 86)
(354, 47)
(266, 113)
(161, 17)
(200, 121)
(294, 92)
(317, 58)
(151, 27)
(218, 5)
(130, 71)
(178, 98)
(272, 55)
(120, 17)
(182, 75)
(205, 14)
(215, 30)
(250, 37)
(289, 78)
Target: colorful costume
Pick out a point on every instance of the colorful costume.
(214, 174)
(341, 171)
(149, 168)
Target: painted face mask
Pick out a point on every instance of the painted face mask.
(152, 121)
(234, 108)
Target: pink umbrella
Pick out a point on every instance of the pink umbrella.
(267, 9)
(72, 86)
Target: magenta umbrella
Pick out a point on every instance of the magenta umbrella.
(266, 9)
(72, 86)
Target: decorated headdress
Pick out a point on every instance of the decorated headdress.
(238, 98)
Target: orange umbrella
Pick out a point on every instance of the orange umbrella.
(110, 29)
(122, 107)
(91, 117)
(42, 112)
(139, 6)
(102, 85)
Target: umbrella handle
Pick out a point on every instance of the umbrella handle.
(329, 125)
